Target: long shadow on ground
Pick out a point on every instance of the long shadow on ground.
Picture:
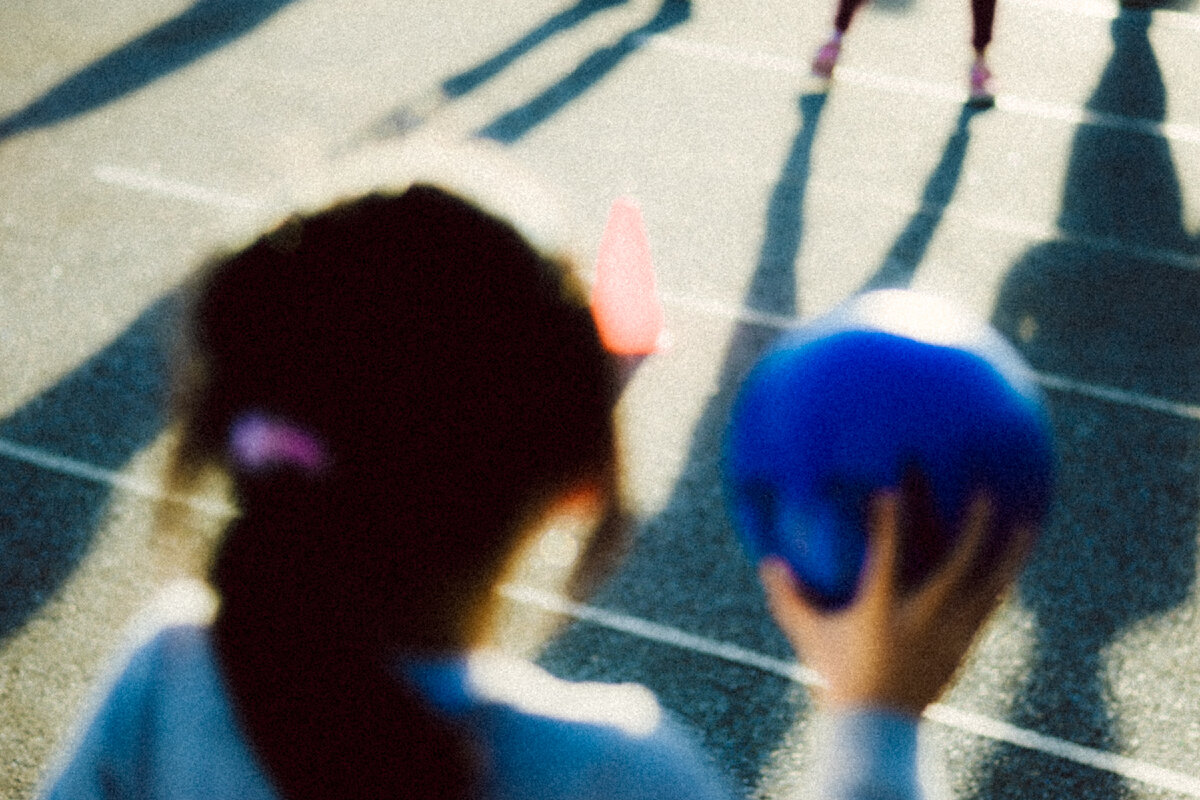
(416, 110)
(470, 79)
(1121, 544)
(515, 123)
(686, 569)
(902, 260)
(204, 27)
(101, 414)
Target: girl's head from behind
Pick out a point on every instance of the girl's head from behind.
(450, 374)
(431, 383)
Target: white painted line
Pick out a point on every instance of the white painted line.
(663, 634)
(1102, 9)
(713, 308)
(1124, 766)
(954, 94)
(1120, 396)
(1106, 244)
(73, 468)
(1097, 9)
(652, 631)
(152, 183)
(1171, 131)
(723, 54)
(969, 722)
(1055, 382)
(157, 184)
(1011, 225)
(911, 87)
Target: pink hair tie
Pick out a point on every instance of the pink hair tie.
(258, 442)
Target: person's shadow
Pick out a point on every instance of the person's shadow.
(418, 108)
(686, 569)
(515, 123)
(472, 78)
(1120, 545)
(511, 125)
(100, 415)
(1167, 5)
(204, 27)
(901, 262)
(689, 546)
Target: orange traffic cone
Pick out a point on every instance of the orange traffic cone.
(625, 303)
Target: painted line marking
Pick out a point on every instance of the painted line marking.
(1119, 396)
(151, 183)
(656, 632)
(1032, 231)
(740, 314)
(662, 634)
(651, 631)
(967, 721)
(1050, 381)
(1097, 9)
(1124, 766)
(1171, 131)
(148, 182)
(73, 468)
(942, 92)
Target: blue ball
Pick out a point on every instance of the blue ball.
(894, 388)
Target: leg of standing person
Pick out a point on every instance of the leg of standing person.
(983, 16)
(826, 57)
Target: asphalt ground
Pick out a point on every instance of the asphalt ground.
(135, 137)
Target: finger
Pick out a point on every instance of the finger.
(979, 599)
(880, 573)
(964, 557)
(784, 600)
(797, 619)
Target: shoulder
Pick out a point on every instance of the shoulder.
(161, 727)
(128, 695)
(528, 690)
(166, 643)
(174, 667)
(553, 738)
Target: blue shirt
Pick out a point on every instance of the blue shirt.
(165, 728)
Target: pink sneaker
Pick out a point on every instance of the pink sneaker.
(982, 95)
(826, 58)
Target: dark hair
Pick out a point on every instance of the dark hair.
(454, 377)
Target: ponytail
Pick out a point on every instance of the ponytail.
(327, 715)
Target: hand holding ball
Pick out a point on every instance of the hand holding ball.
(894, 389)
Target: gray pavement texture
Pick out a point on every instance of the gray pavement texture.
(134, 137)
